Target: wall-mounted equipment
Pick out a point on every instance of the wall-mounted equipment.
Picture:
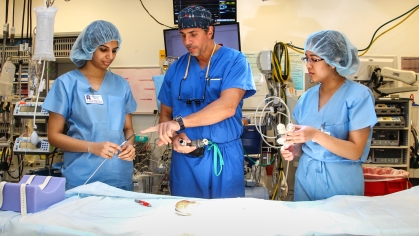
(27, 109)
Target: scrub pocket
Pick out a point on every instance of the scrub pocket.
(116, 112)
(214, 88)
(340, 131)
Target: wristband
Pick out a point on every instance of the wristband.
(179, 120)
(88, 147)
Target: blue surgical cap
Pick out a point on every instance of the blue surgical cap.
(97, 33)
(336, 49)
(194, 17)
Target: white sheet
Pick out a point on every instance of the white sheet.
(104, 210)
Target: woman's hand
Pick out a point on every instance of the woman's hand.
(287, 152)
(128, 153)
(301, 134)
(105, 149)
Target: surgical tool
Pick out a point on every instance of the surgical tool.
(127, 139)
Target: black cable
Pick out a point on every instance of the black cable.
(19, 171)
(7, 11)
(21, 167)
(379, 92)
(377, 81)
(375, 78)
(4, 159)
(13, 14)
(23, 20)
(416, 141)
(155, 18)
(27, 20)
(278, 76)
(30, 25)
(414, 156)
(372, 39)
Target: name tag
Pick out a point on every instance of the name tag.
(324, 131)
(93, 99)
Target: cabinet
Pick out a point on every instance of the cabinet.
(390, 145)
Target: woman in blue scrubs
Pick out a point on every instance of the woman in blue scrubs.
(95, 104)
(335, 120)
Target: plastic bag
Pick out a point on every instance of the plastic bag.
(373, 174)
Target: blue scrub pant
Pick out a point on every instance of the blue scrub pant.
(195, 177)
(316, 180)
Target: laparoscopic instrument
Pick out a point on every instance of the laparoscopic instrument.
(122, 144)
(198, 143)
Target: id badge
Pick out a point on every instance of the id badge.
(93, 99)
(322, 128)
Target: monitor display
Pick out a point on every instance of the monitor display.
(30, 108)
(226, 35)
(222, 11)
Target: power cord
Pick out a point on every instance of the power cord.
(281, 51)
(373, 39)
(153, 16)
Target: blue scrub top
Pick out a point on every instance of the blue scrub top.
(321, 173)
(228, 69)
(195, 177)
(93, 122)
(350, 108)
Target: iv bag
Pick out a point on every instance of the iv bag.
(6, 78)
(44, 38)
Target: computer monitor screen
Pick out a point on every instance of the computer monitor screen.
(226, 35)
(222, 11)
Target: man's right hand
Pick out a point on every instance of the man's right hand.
(166, 131)
(182, 148)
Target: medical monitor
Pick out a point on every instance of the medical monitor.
(222, 11)
(369, 63)
(226, 35)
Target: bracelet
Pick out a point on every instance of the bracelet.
(88, 147)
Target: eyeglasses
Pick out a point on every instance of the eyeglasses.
(207, 80)
(311, 60)
(190, 100)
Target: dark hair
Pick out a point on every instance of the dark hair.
(213, 31)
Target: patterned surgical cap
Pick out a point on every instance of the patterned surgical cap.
(194, 17)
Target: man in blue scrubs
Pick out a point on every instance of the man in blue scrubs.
(202, 98)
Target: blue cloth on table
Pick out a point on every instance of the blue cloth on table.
(98, 214)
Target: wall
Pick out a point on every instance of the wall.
(262, 24)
